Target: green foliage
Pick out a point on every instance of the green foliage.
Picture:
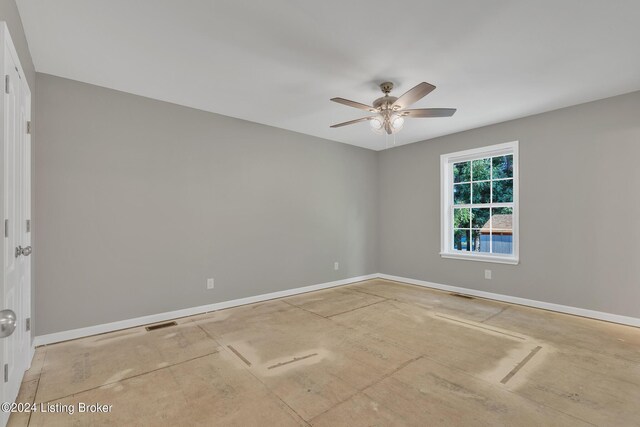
(480, 217)
(461, 194)
(462, 172)
(481, 192)
(503, 191)
(502, 211)
(503, 167)
(481, 169)
(461, 218)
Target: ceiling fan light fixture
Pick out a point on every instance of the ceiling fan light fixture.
(376, 123)
(397, 121)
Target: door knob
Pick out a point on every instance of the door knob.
(18, 251)
(7, 323)
(27, 251)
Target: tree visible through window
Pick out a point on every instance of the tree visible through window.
(480, 203)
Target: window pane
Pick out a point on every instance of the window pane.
(503, 166)
(461, 240)
(462, 172)
(503, 191)
(502, 244)
(481, 169)
(461, 194)
(502, 230)
(502, 211)
(480, 241)
(480, 217)
(461, 218)
(481, 192)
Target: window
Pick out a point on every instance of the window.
(480, 204)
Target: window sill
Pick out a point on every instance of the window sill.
(481, 258)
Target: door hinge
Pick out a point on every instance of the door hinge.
(29, 127)
(28, 324)
(6, 83)
(6, 372)
(28, 226)
(6, 228)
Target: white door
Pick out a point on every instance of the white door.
(16, 168)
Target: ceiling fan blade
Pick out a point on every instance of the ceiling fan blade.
(354, 104)
(350, 122)
(429, 112)
(414, 94)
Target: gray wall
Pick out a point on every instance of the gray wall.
(9, 13)
(139, 201)
(579, 208)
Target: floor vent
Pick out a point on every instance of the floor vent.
(455, 294)
(160, 326)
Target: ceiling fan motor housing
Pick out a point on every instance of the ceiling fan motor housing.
(386, 87)
(384, 103)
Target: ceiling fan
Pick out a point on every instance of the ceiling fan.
(390, 111)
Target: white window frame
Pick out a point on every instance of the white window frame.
(446, 202)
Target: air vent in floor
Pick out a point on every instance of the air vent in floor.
(160, 326)
(455, 294)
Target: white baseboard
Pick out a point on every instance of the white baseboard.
(161, 317)
(599, 315)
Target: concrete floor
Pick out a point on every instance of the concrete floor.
(373, 353)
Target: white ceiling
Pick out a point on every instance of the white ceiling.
(278, 62)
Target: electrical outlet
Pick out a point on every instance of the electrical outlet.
(336, 265)
(210, 283)
(487, 274)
